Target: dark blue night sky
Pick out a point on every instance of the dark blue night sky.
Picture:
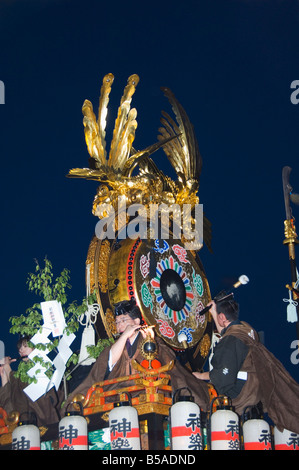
(229, 63)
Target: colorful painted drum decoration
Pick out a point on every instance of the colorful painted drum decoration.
(167, 283)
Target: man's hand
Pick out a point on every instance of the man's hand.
(202, 375)
(130, 330)
(5, 369)
(213, 310)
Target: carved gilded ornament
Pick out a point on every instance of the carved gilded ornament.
(114, 170)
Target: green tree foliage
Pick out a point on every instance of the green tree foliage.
(46, 287)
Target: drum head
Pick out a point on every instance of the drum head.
(167, 283)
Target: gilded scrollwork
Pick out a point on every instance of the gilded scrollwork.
(103, 265)
(204, 345)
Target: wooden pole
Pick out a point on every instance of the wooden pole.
(290, 233)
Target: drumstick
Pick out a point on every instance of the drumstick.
(145, 327)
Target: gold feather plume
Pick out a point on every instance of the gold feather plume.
(114, 172)
(120, 160)
(183, 152)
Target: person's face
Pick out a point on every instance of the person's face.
(222, 320)
(25, 350)
(123, 321)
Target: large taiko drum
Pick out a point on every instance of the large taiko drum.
(166, 280)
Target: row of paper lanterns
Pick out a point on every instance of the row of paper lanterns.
(186, 430)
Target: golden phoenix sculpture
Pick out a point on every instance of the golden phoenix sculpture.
(166, 280)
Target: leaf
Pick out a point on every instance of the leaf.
(43, 284)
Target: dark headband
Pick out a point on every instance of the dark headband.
(124, 307)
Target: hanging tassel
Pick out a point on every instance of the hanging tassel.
(88, 339)
(87, 319)
(292, 316)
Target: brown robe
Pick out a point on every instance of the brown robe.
(46, 408)
(267, 381)
(180, 377)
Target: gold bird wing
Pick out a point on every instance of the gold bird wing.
(94, 129)
(101, 174)
(125, 126)
(91, 131)
(143, 155)
(103, 108)
(183, 153)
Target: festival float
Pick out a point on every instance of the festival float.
(149, 232)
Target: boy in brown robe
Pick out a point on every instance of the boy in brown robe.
(116, 361)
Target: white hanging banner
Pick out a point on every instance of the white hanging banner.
(35, 390)
(53, 317)
(54, 322)
(64, 353)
